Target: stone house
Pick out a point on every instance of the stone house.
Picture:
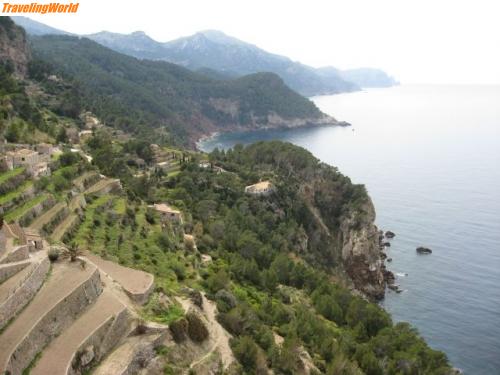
(84, 135)
(13, 236)
(39, 170)
(260, 188)
(167, 213)
(45, 149)
(23, 157)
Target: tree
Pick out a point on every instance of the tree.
(245, 350)
(13, 133)
(74, 251)
(62, 137)
(69, 158)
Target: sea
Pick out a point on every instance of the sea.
(429, 157)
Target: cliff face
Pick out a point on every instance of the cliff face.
(336, 230)
(361, 251)
(14, 46)
(341, 233)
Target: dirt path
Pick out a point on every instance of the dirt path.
(47, 216)
(218, 335)
(63, 227)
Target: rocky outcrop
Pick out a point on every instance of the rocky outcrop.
(390, 234)
(423, 250)
(361, 253)
(14, 46)
(350, 241)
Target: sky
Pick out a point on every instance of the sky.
(421, 41)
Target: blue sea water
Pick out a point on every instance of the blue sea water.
(430, 159)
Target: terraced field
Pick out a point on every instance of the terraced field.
(63, 227)
(20, 211)
(8, 175)
(14, 194)
(47, 216)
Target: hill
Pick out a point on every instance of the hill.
(368, 77)
(215, 50)
(140, 95)
(33, 27)
(14, 51)
(190, 266)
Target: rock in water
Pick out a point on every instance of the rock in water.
(424, 250)
(390, 234)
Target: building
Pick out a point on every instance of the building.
(260, 188)
(22, 157)
(167, 213)
(13, 236)
(164, 166)
(39, 170)
(45, 149)
(33, 239)
(84, 135)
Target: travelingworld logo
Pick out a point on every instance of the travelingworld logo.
(40, 8)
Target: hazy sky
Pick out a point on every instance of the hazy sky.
(420, 41)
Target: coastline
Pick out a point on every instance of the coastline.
(203, 139)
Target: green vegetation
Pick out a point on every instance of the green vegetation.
(53, 254)
(276, 271)
(261, 276)
(16, 194)
(155, 94)
(20, 211)
(12, 173)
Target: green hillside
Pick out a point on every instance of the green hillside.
(137, 95)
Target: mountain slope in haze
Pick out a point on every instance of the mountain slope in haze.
(137, 44)
(37, 28)
(140, 95)
(215, 50)
(368, 77)
(218, 52)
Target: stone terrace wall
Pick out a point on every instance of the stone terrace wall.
(24, 293)
(52, 323)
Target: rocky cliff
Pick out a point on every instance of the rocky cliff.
(361, 254)
(336, 230)
(13, 46)
(349, 241)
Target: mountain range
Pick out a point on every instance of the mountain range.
(224, 57)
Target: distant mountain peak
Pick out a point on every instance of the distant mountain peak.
(215, 50)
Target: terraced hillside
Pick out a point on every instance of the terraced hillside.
(86, 311)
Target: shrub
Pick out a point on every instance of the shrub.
(179, 330)
(189, 243)
(197, 298)
(245, 350)
(53, 254)
(196, 328)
